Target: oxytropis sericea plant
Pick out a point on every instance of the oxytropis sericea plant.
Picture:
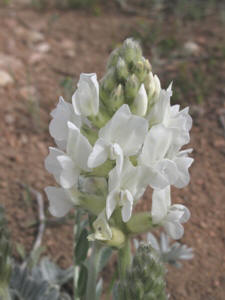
(118, 136)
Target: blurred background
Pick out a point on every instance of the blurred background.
(46, 44)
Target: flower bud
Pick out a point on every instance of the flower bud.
(121, 69)
(145, 279)
(139, 223)
(140, 70)
(131, 51)
(118, 238)
(140, 104)
(131, 88)
(117, 98)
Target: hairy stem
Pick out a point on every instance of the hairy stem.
(124, 259)
(76, 268)
(93, 272)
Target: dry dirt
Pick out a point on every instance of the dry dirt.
(68, 43)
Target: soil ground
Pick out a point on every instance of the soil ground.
(41, 51)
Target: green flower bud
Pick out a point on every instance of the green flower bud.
(121, 70)
(108, 82)
(140, 70)
(139, 223)
(131, 51)
(113, 58)
(131, 88)
(118, 238)
(118, 98)
(145, 279)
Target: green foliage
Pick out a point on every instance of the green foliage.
(26, 286)
(82, 247)
(145, 279)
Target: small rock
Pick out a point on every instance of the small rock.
(191, 48)
(9, 119)
(24, 139)
(43, 48)
(29, 36)
(28, 92)
(5, 79)
(35, 36)
(67, 44)
(8, 62)
(70, 53)
(203, 224)
(36, 58)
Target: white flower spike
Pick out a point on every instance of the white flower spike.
(170, 216)
(86, 97)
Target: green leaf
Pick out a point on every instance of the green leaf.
(99, 288)
(82, 247)
(21, 250)
(104, 256)
(82, 280)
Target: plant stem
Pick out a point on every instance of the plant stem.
(76, 233)
(93, 272)
(124, 259)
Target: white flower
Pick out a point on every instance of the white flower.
(141, 102)
(154, 86)
(102, 229)
(164, 163)
(122, 136)
(51, 163)
(59, 201)
(170, 116)
(125, 189)
(66, 167)
(170, 216)
(58, 126)
(86, 97)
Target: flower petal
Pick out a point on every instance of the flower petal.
(186, 213)
(161, 202)
(59, 202)
(86, 98)
(174, 229)
(111, 203)
(61, 115)
(183, 164)
(127, 205)
(78, 147)
(69, 175)
(51, 163)
(141, 102)
(98, 155)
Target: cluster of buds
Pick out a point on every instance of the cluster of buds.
(145, 279)
(117, 137)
